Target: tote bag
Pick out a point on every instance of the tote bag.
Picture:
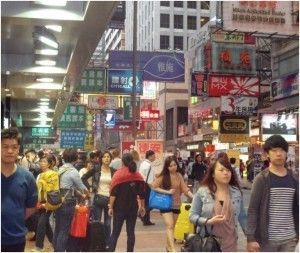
(160, 201)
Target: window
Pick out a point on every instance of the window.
(178, 21)
(205, 5)
(178, 4)
(203, 21)
(164, 42)
(178, 42)
(192, 4)
(165, 20)
(164, 3)
(191, 22)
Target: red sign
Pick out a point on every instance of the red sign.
(126, 126)
(148, 115)
(221, 85)
(127, 146)
(142, 146)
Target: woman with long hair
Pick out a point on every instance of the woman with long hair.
(170, 181)
(218, 204)
(126, 201)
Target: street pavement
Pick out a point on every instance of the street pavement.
(153, 238)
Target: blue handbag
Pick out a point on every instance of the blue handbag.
(160, 201)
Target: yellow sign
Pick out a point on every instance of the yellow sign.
(234, 153)
(233, 138)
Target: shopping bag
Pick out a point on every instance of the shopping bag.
(160, 201)
(80, 221)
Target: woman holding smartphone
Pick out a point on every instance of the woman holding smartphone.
(218, 204)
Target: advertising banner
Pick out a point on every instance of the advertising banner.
(41, 131)
(74, 117)
(149, 90)
(233, 37)
(72, 138)
(126, 126)
(92, 81)
(103, 102)
(233, 58)
(142, 146)
(120, 81)
(157, 66)
(127, 146)
(285, 86)
(260, 16)
(89, 141)
(222, 85)
(239, 105)
(199, 84)
(150, 115)
(127, 105)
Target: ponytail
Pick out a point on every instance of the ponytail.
(128, 161)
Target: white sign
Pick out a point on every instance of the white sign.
(102, 102)
(239, 105)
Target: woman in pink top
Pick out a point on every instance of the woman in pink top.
(170, 181)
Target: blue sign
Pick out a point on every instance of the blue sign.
(110, 118)
(72, 138)
(120, 81)
(157, 66)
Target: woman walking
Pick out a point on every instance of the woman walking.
(218, 204)
(170, 181)
(126, 201)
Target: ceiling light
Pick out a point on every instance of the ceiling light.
(51, 2)
(48, 41)
(44, 99)
(46, 51)
(46, 70)
(43, 103)
(45, 62)
(45, 86)
(6, 89)
(8, 95)
(7, 72)
(56, 28)
(45, 80)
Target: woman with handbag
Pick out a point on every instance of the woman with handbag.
(218, 205)
(170, 181)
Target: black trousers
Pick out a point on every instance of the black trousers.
(13, 248)
(146, 218)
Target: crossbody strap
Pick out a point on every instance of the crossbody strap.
(148, 175)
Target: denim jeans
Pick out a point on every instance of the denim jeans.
(63, 216)
(118, 220)
(97, 215)
(280, 246)
(43, 228)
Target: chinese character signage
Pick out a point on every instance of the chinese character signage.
(222, 85)
(127, 146)
(285, 86)
(259, 16)
(157, 66)
(121, 81)
(199, 84)
(149, 90)
(233, 58)
(233, 37)
(92, 81)
(149, 115)
(74, 117)
(142, 146)
(103, 102)
(124, 126)
(89, 141)
(239, 105)
(89, 120)
(41, 132)
(127, 105)
(72, 138)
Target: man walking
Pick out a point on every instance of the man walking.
(18, 194)
(273, 217)
(148, 174)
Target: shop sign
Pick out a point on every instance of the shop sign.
(157, 66)
(39, 140)
(285, 86)
(89, 141)
(192, 147)
(127, 146)
(120, 81)
(74, 117)
(210, 148)
(199, 84)
(204, 113)
(233, 37)
(126, 126)
(92, 81)
(72, 138)
(233, 58)
(182, 130)
(149, 115)
(41, 131)
(89, 120)
(142, 146)
(222, 85)
(149, 90)
(103, 102)
(110, 118)
(239, 105)
(260, 16)
(127, 105)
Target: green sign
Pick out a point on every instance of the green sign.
(73, 117)
(128, 108)
(92, 81)
(41, 131)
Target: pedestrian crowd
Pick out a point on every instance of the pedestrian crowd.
(45, 193)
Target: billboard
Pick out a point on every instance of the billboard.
(156, 66)
(285, 86)
(260, 17)
(102, 102)
(222, 85)
(74, 116)
(92, 81)
(199, 84)
(72, 138)
(120, 81)
(239, 105)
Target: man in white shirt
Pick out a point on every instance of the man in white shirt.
(148, 174)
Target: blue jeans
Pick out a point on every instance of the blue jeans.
(118, 221)
(63, 216)
(43, 228)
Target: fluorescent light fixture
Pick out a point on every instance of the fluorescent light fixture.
(8, 95)
(56, 28)
(44, 99)
(45, 62)
(48, 41)
(42, 110)
(7, 72)
(44, 107)
(6, 89)
(43, 103)
(45, 80)
(45, 86)
(52, 2)
(46, 70)
(46, 51)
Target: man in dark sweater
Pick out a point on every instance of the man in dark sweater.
(198, 171)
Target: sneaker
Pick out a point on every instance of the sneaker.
(37, 249)
(149, 223)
